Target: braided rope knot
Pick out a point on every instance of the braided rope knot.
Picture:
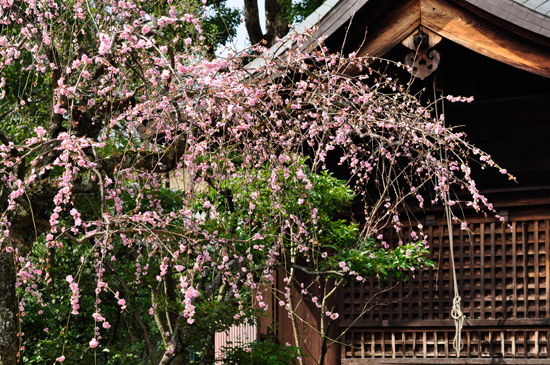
(458, 316)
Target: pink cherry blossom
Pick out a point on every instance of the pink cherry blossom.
(105, 43)
(94, 343)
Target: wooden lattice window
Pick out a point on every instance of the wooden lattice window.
(503, 278)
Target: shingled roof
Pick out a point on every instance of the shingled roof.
(532, 15)
(540, 6)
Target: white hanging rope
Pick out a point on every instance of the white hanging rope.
(456, 309)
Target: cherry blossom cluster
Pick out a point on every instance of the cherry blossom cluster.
(244, 147)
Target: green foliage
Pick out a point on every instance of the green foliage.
(368, 259)
(22, 87)
(301, 9)
(221, 22)
(261, 353)
(317, 207)
(50, 329)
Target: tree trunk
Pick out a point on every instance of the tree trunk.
(252, 20)
(275, 23)
(170, 299)
(9, 342)
(276, 20)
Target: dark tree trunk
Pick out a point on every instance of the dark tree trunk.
(252, 20)
(275, 23)
(9, 342)
(170, 299)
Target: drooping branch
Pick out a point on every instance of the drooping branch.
(292, 265)
(159, 162)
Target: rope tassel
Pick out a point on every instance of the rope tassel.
(458, 316)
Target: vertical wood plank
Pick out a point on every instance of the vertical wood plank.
(393, 345)
(362, 297)
(431, 273)
(514, 271)
(482, 269)
(436, 352)
(424, 344)
(371, 291)
(480, 344)
(525, 273)
(504, 272)
(537, 344)
(446, 344)
(362, 345)
(525, 344)
(460, 280)
(547, 262)
(468, 344)
(352, 300)
(536, 253)
(343, 346)
(414, 344)
(493, 273)
(420, 288)
(404, 344)
(411, 289)
(514, 344)
(502, 349)
(411, 285)
(472, 273)
(440, 284)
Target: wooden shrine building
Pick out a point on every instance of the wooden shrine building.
(497, 51)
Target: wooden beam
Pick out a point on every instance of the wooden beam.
(481, 36)
(438, 323)
(444, 361)
(396, 26)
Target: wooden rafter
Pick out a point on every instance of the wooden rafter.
(397, 25)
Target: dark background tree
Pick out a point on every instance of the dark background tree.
(279, 15)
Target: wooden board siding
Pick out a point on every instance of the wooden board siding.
(277, 323)
(503, 277)
(236, 336)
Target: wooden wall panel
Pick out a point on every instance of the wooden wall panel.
(502, 275)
